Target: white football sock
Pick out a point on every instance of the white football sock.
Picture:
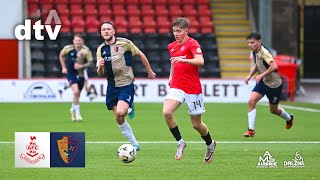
(285, 115)
(126, 130)
(76, 108)
(252, 118)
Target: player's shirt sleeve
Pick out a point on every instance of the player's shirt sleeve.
(195, 48)
(99, 57)
(89, 55)
(64, 51)
(131, 47)
(266, 56)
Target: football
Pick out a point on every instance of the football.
(127, 153)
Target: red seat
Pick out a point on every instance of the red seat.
(121, 30)
(78, 25)
(75, 1)
(189, 10)
(45, 9)
(161, 10)
(163, 30)
(66, 24)
(135, 30)
(61, 2)
(203, 2)
(146, 2)
(162, 21)
(62, 9)
(161, 2)
(147, 12)
(89, 2)
(174, 10)
(34, 11)
(104, 18)
(173, 2)
(129, 2)
(32, 1)
(118, 10)
(104, 10)
(204, 12)
(76, 12)
(206, 30)
(149, 30)
(118, 2)
(92, 25)
(135, 22)
(90, 10)
(193, 2)
(46, 1)
(133, 10)
(99, 2)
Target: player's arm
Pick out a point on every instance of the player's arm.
(171, 73)
(145, 62)
(63, 61)
(197, 60)
(253, 70)
(100, 63)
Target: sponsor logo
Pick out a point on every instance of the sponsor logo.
(297, 162)
(38, 27)
(39, 90)
(267, 161)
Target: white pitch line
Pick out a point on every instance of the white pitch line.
(199, 142)
(295, 108)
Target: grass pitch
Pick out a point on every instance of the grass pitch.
(236, 157)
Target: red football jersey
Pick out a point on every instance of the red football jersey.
(185, 76)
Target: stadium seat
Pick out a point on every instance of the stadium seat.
(62, 10)
(38, 70)
(33, 2)
(90, 10)
(45, 8)
(99, 2)
(118, 10)
(52, 45)
(173, 2)
(161, 10)
(35, 44)
(37, 55)
(78, 25)
(161, 2)
(142, 2)
(75, 1)
(58, 2)
(147, 12)
(34, 11)
(92, 25)
(175, 11)
(46, 1)
(76, 12)
(133, 10)
(93, 2)
(203, 2)
(129, 2)
(189, 10)
(104, 10)
(135, 24)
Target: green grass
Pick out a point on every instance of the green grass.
(226, 122)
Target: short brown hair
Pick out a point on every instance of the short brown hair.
(108, 22)
(254, 35)
(79, 35)
(181, 22)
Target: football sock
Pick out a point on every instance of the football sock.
(76, 108)
(285, 115)
(252, 118)
(176, 133)
(207, 139)
(126, 130)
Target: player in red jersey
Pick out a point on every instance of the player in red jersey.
(185, 86)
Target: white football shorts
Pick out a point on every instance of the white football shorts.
(194, 101)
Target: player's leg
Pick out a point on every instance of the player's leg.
(172, 102)
(125, 100)
(196, 109)
(274, 98)
(77, 107)
(75, 102)
(257, 93)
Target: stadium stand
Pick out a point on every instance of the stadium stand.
(146, 22)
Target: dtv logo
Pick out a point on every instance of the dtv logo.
(38, 27)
